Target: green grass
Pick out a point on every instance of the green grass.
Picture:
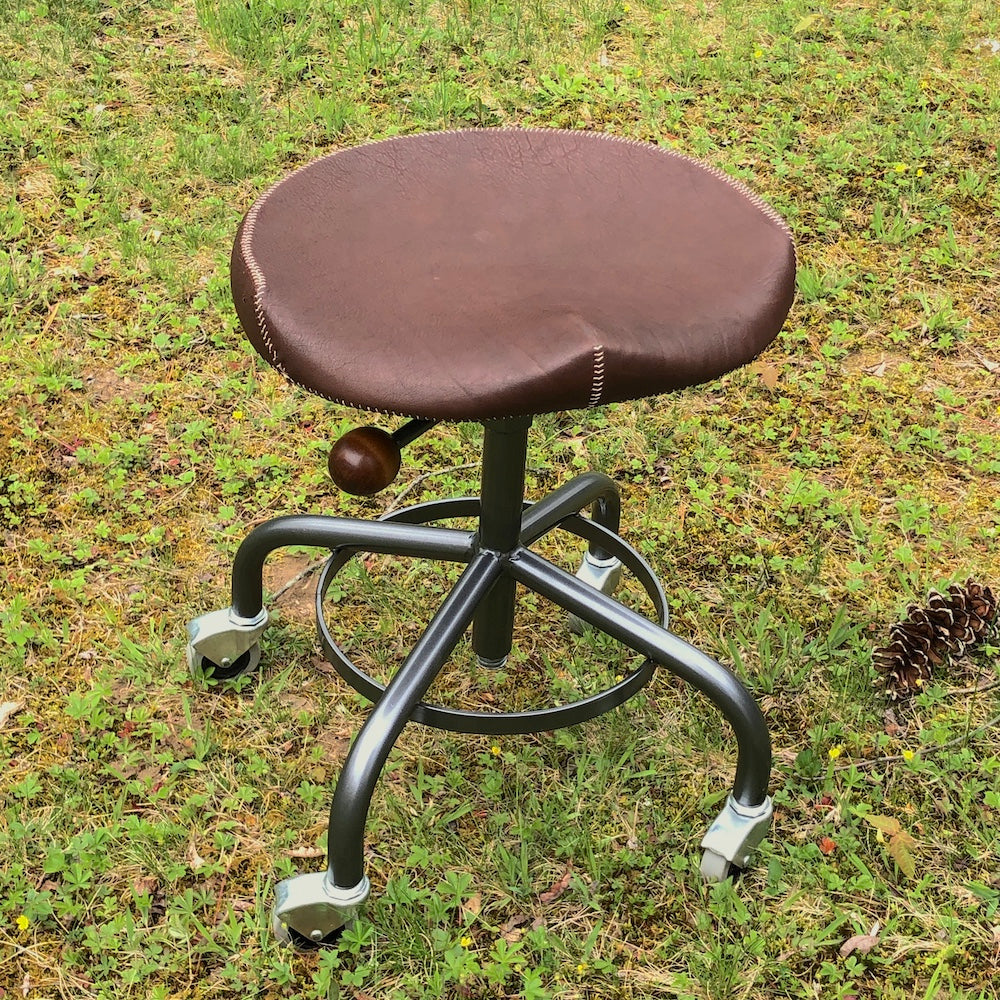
(793, 508)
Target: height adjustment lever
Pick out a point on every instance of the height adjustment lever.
(367, 459)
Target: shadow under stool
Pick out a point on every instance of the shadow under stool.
(492, 275)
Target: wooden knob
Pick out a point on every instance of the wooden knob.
(364, 461)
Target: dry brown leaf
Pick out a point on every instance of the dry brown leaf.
(877, 370)
(990, 366)
(558, 887)
(146, 886)
(9, 709)
(891, 724)
(769, 374)
(194, 859)
(472, 906)
(323, 666)
(862, 943)
(512, 930)
(151, 775)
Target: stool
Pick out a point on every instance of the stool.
(492, 275)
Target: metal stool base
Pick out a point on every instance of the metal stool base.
(497, 557)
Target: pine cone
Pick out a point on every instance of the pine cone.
(947, 626)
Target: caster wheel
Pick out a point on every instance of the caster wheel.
(716, 868)
(203, 669)
(292, 938)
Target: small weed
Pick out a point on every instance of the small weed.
(793, 509)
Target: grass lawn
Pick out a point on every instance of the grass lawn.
(794, 510)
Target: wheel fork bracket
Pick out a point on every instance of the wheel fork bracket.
(223, 636)
(314, 908)
(738, 830)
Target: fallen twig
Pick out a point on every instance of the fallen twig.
(975, 690)
(301, 575)
(423, 477)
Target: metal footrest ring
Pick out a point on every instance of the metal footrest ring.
(499, 723)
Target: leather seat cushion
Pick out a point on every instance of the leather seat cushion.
(502, 272)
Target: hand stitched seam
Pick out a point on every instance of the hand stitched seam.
(257, 279)
(597, 381)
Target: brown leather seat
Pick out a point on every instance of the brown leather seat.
(493, 273)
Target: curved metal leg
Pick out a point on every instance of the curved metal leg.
(600, 568)
(746, 816)
(592, 488)
(420, 541)
(226, 642)
(316, 905)
(753, 767)
(349, 810)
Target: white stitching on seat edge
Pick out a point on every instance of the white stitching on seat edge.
(597, 382)
(257, 279)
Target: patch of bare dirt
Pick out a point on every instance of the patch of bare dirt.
(288, 577)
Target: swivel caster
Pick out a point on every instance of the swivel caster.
(203, 669)
(311, 913)
(716, 868)
(224, 646)
(291, 938)
(732, 839)
(603, 575)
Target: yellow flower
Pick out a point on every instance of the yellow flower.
(22, 922)
(908, 755)
(920, 171)
(237, 414)
(495, 750)
(834, 752)
(465, 942)
(758, 53)
(627, 8)
(900, 168)
(581, 968)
